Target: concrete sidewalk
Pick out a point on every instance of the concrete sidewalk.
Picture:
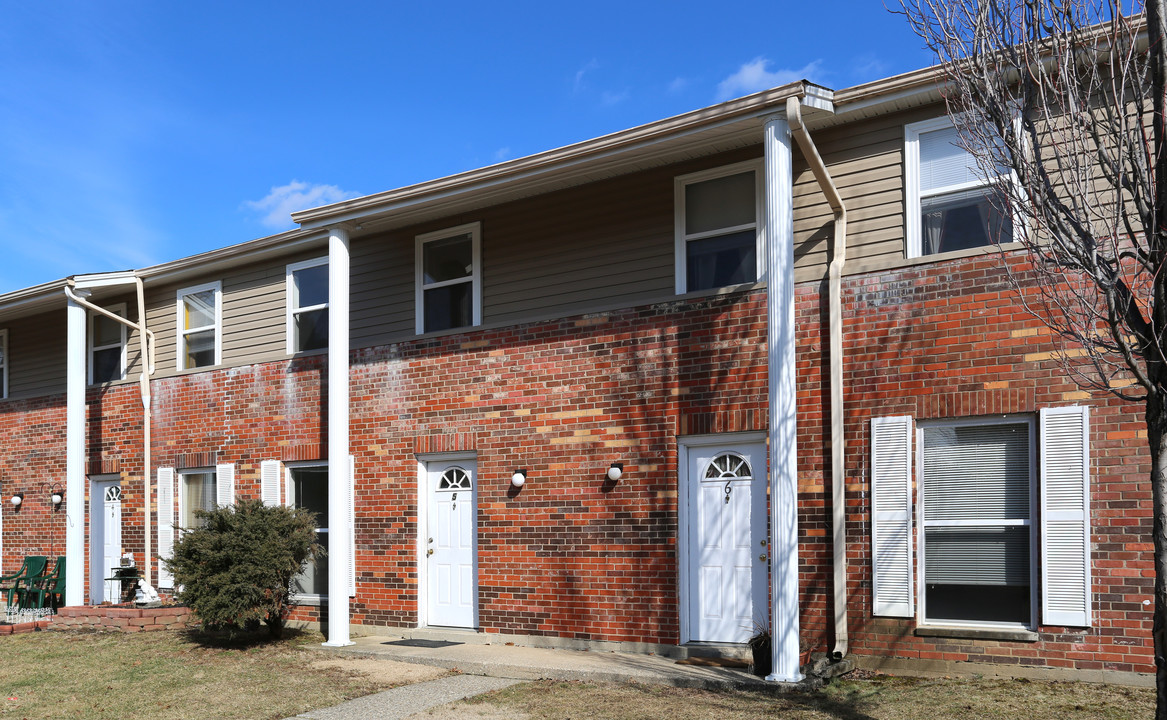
(474, 657)
(409, 700)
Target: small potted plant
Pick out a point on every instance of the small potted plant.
(760, 647)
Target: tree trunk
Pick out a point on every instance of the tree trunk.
(1157, 439)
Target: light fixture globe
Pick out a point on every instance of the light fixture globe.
(57, 498)
(615, 471)
(519, 478)
(17, 499)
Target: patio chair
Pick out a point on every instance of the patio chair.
(10, 585)
(49, 587)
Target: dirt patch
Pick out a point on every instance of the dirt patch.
(381, 672)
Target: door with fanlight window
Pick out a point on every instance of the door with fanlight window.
(105, 539)
(451, 544)
(727, 551)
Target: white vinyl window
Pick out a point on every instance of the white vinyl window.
(200, 326)
(107, 347)
(982, 486)
(307, 487)
(3, 363)
(449, 278)
(307, 321)
(203, 489)
(719, 228)
(976, 524)
(197, 491)
(949, 206)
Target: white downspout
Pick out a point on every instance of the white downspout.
(146, 341)
(782, 394)
(338, 437)
(835, 282)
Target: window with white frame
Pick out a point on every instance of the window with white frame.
(198, 490)
(307, 287)
(308, 489)
(976, 522)
(989, 494)
(719, 229)
(3, 363)
(949, 204)
(199, 332)
(107, 346)
(449, 278)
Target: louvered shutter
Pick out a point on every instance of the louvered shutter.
(165, 524)
(891, 515)
(269, 482)
(352, 530)
(225, 485)
(1065, 516)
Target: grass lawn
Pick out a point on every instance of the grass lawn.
(170, 675)
(878, 698)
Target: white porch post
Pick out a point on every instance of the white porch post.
(782, 394)
(338, 446)
(75, 457)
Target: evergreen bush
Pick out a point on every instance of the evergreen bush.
(237, 569)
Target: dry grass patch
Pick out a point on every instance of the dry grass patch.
(169, 675)
(879, 698)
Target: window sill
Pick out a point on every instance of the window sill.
(313, 600)
(968, 633)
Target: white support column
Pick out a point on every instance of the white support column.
(782, 396)
(338, 445)
(75, 457)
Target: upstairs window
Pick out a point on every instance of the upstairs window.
(3, 363)
(107, 347)
(449, 284)
(200, 326)
(307, 326)
(719, 236)
(949, 205)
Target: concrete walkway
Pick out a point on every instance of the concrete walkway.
(408, 700)
(529, 663)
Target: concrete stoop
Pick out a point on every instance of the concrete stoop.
(503, 657)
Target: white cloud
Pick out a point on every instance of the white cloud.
(609, 98)
(579, 75)
(678, 84)
(277, 207)
(502, 154)
(754, 76)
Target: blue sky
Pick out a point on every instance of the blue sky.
(132, 133)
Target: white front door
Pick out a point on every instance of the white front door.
(451, 544)
(105, 539)
(728, 555)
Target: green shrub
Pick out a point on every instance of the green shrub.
(236, 570)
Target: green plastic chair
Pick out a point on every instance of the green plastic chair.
(49, 587)
(10, 585)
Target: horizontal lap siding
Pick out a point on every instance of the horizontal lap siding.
(36, 355)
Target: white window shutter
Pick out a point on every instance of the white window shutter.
(891, 516)
(270, 479)
(352, 530)
(1065, 516)
(225, 485)
(165, 524)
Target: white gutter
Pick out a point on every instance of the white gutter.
(146, 340)
(835, 274)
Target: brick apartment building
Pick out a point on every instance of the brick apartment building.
(586, 397)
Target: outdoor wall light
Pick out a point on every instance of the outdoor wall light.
(57, 496)
(16, 500)
(615, 471)
(519, 478)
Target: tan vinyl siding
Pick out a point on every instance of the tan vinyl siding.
(254, 313)
(36, 355)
